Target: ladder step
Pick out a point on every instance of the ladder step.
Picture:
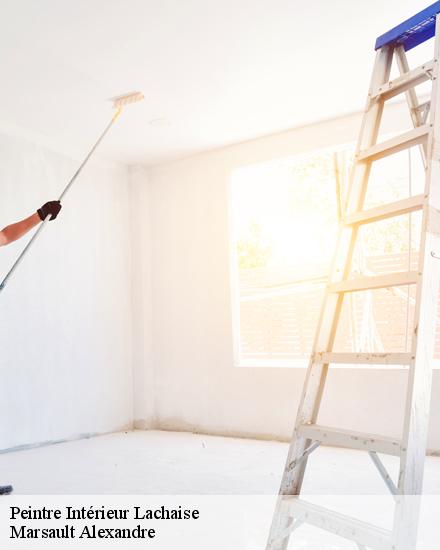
(379, 213)
(396, 144)
(378, 281)
(363, 533)
(351, 440)
(364, 358)
(405, 81)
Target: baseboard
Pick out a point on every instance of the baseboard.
(174, 427)
(88, 435)
(150, 425)
(143, 424)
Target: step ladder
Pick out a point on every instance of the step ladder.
(308, 433)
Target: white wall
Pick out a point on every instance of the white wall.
(187, 242)
(131, 287)
(65, 317)
(143, 371)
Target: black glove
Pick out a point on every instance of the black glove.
(52, 207)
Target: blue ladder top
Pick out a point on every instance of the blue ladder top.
(413, 31)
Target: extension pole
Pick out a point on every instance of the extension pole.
(66, 189)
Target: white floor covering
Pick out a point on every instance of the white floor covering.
(155, 462)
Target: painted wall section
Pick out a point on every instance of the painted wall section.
(197, 388)
(143, 371)
(65, 317)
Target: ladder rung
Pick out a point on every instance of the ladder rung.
(396, 144)
(350, 528)
(364, 358)
(377, 281)
(349, 439)
(397, 208)
(405, 81)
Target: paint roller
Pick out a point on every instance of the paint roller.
(119, 102)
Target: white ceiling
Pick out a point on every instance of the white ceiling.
(218, 71)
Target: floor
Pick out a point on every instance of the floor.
(155, 462)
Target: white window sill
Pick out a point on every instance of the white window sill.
(303, 364)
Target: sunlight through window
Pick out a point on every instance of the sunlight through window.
(286, 214)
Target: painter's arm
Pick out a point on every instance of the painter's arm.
(16, 230)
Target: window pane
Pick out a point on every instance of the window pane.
(286, 215)
(285, 225)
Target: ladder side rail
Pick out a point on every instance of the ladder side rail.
(420, 375)
(316, 373)
(406, 522)
(332, 305)
(416, 422)
(411, 97)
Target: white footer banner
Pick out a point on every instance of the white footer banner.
(216, 522)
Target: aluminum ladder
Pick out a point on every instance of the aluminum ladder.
(308, 433)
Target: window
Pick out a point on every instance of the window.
(285, 216)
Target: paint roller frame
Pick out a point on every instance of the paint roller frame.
(119, 103)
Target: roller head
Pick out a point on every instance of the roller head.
(121, 101)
